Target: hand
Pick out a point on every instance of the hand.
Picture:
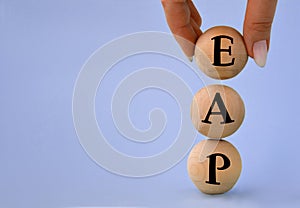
(185, 21)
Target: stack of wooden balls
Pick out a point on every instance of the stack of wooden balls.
(217, 111)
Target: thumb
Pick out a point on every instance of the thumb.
(257, 28)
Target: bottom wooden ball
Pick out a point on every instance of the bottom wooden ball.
(214, 166)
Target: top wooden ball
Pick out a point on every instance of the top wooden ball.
(221, 53)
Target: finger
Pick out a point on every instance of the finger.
(196, 27)
(258, 22)
(187, 38)
(178, 15)
(194, 13)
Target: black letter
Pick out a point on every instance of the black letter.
(218, 50)
(212, 167)
(223, 110)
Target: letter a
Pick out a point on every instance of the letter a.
(223, 111)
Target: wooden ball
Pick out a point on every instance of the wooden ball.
(217, 111)
(214, 166)
(221, 53)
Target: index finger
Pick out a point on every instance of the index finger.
(184, 22)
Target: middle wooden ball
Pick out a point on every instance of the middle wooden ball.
(217, 111)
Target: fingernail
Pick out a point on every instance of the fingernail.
(260, 52)
(190, 58)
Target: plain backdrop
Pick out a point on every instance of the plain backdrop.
(44, 44)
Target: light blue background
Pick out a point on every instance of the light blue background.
(43, 45)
